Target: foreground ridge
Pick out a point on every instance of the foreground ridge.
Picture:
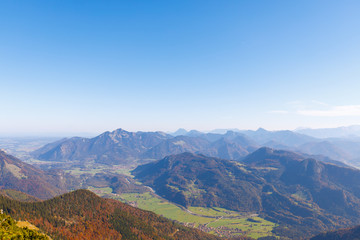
(83, 215)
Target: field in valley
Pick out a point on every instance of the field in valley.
(217, 221)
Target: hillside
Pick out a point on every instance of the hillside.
(17, 195)
(83, 215)
(117, 147)
(325, 148)
(303, 194)
(118, 183)
(177, 145)
(341, 234)
(196, 180)
(17, 175)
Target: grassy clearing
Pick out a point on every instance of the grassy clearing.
(214, 212)
(24, 224)
(92, 170)
(80, 171)
(162, 207)
(212, 220)
(122, 170)
(254, 227)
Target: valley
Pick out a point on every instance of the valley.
(219, 221)
(179, 120)
(228, 185)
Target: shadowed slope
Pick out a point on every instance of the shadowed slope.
(342, 234)
(304, 195)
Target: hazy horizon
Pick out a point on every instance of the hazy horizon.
(87, 67)
(94, 134)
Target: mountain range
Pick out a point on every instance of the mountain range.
(122, 147)
(114, 147)
(339, 132)
(303, 195)
(306, 188)
(133, 148)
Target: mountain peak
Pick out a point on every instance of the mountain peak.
(194, 133)
(266, 156)
(120, 131)
(261, 130)
(180, 131)
(230, 133)
(264, 150)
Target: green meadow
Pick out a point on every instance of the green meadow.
(213, 220)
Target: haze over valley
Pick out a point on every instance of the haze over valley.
(239, 183)
(179, 120)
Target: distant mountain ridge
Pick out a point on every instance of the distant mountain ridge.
(117, 147)
(302, 193)
(285, 137)
(340, 132)
(132, 148)
(123, 147)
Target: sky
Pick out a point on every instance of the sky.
(87, 66)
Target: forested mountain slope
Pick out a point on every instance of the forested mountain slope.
(304, 194)
(83, 215)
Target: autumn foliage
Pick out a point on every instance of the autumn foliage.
(83, 215)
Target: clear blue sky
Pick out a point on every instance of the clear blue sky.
(91, 66)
